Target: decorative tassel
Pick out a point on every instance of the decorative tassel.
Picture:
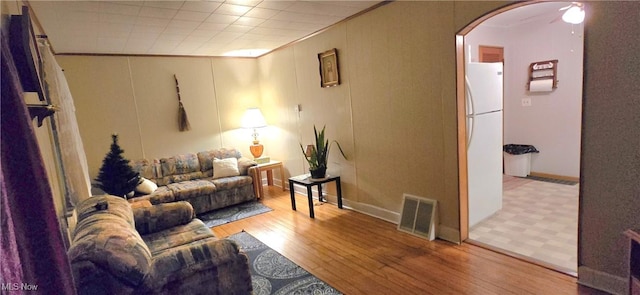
(183, 121)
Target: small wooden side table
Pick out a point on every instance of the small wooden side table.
(308, 183)
(268, 167)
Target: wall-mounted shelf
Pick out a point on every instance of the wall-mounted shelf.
(41, 111)
(543, 70)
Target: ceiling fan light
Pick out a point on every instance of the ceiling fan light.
(573, 15)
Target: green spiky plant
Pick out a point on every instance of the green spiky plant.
(318, 156)
(116, 177)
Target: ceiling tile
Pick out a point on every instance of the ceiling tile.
(114, 30)
(108, 7)
(212, 26)
(152, 21)
(171, 27)
(237, 29)
(135, 3)
(228, 36)
(191, 15)
(277, 5)
(111, 45)
(170, 38)
(141, 29)
(205, 33)
(249, 21)
(231, 9)
(117, 18)
(177, 31)
(245, 2)
(158, 12)
(164, 4)
(143, 36)
(183, 24)
(262, 13)
(201, 6)
(275, 24)
(221, 19)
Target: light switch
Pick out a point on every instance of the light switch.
(526, 102)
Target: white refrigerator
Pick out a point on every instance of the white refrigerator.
(484, 93)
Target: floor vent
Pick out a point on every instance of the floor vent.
(419, 217)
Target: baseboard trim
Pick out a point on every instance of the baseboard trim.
(373, 211)
(602, 281)
(555, 176)
(449, 234)
(444, 232)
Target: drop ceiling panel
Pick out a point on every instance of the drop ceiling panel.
(208, 28)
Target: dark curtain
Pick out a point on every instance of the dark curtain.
(33, 251)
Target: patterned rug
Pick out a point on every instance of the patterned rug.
(233, 213)
(272, 273)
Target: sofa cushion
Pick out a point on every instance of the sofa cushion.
(231, 182)
(149, 169)
(175, 236)
(206, 158)
(180, 168)
(186, 190)
(225, 167)
(154, 218)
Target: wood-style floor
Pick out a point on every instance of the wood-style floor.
(359, 254)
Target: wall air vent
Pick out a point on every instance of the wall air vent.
(419, 217)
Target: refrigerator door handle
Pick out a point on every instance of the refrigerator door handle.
(470, 112)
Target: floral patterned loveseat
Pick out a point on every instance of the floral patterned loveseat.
(155, 249)
(193, 177)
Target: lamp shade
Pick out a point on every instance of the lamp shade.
(253, 118)
(573, 15)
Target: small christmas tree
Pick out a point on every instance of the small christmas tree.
(116, 177)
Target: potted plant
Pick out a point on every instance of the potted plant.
(317, 155)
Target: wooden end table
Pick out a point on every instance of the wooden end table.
(268, 167)
(308, 183)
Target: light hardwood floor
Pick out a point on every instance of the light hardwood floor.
(358, 254)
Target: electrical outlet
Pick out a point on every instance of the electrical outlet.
(526, 102)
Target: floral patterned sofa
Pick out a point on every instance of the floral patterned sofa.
(156, 249)
(193, 177)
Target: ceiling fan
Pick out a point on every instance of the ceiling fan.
(574, 13)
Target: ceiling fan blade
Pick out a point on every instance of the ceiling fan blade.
(557, 18)
(565, 8)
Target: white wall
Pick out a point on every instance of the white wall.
(553, 122)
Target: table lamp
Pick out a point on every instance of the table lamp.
(253, 119)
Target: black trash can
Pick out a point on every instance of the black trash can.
(517, 159)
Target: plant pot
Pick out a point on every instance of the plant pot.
(318, 173)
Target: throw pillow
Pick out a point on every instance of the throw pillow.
(146, 186)
(225, 167)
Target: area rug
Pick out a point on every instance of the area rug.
(272, 273)
(233, 213)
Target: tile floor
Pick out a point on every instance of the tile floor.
(538, 220)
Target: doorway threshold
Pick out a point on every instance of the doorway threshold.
(524, 258)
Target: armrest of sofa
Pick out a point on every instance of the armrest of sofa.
(162, 216)
(210, 265)
(244, 164)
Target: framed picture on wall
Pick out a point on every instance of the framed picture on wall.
(329, 73)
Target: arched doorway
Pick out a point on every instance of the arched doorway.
(465, 174)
